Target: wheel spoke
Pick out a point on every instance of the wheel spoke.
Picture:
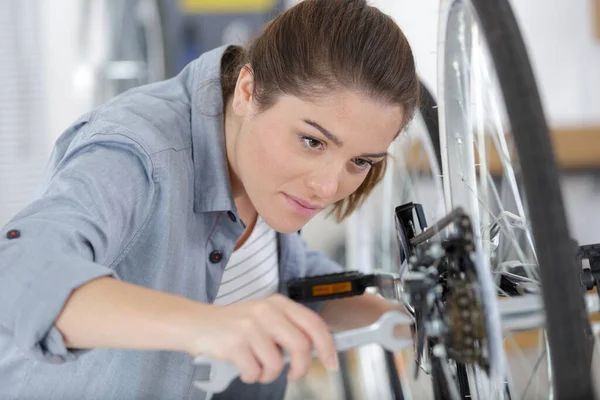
(535, 368)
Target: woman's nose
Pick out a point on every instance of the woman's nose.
(325, 182)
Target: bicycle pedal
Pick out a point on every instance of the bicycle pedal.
(329, 286)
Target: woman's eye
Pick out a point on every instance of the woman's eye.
(312, 143)
(361, 163)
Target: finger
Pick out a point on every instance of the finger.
(268, 354)
(292, 339)
(315, 328)
(250, 368)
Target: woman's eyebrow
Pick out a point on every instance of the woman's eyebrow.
(324, 131)
(375, 155)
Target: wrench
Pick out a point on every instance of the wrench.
(381, 332)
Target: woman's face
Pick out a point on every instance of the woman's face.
(298, 157)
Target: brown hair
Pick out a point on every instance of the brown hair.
(319, 46)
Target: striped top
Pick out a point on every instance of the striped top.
(251, 272)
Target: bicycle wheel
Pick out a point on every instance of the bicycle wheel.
(499, 166)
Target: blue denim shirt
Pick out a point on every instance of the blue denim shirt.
(137, 189)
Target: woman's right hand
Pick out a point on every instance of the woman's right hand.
(252, 335)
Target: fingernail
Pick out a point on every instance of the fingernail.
(334, 365)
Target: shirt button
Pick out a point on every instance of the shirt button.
(215, 256)
(13, 234)
(231, 216)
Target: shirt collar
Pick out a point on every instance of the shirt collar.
(212, 183)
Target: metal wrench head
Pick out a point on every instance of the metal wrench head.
(385, 332)
(381, 332)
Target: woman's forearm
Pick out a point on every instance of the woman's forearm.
(357, 311)
(110, 313)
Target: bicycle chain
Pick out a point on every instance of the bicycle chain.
(466, 322)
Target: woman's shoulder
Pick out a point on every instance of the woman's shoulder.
(157, 116)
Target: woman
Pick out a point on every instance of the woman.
(166, 223)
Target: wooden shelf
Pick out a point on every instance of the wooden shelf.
(598, 19)
(575, 149)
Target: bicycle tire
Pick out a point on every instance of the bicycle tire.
(569, 334)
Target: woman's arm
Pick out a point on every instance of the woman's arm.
(357, 311)
(110, 313)
(113, 314)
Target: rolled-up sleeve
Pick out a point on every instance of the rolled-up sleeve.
(94, 203)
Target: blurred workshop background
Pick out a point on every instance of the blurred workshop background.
(60, 58)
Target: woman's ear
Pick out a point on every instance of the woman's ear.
(242, 95)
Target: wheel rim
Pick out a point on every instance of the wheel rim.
(472, 118)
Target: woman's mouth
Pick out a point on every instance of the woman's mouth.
(302, 207)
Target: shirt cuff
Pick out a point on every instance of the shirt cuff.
(43, 300)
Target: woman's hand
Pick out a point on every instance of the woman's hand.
(252, 334)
